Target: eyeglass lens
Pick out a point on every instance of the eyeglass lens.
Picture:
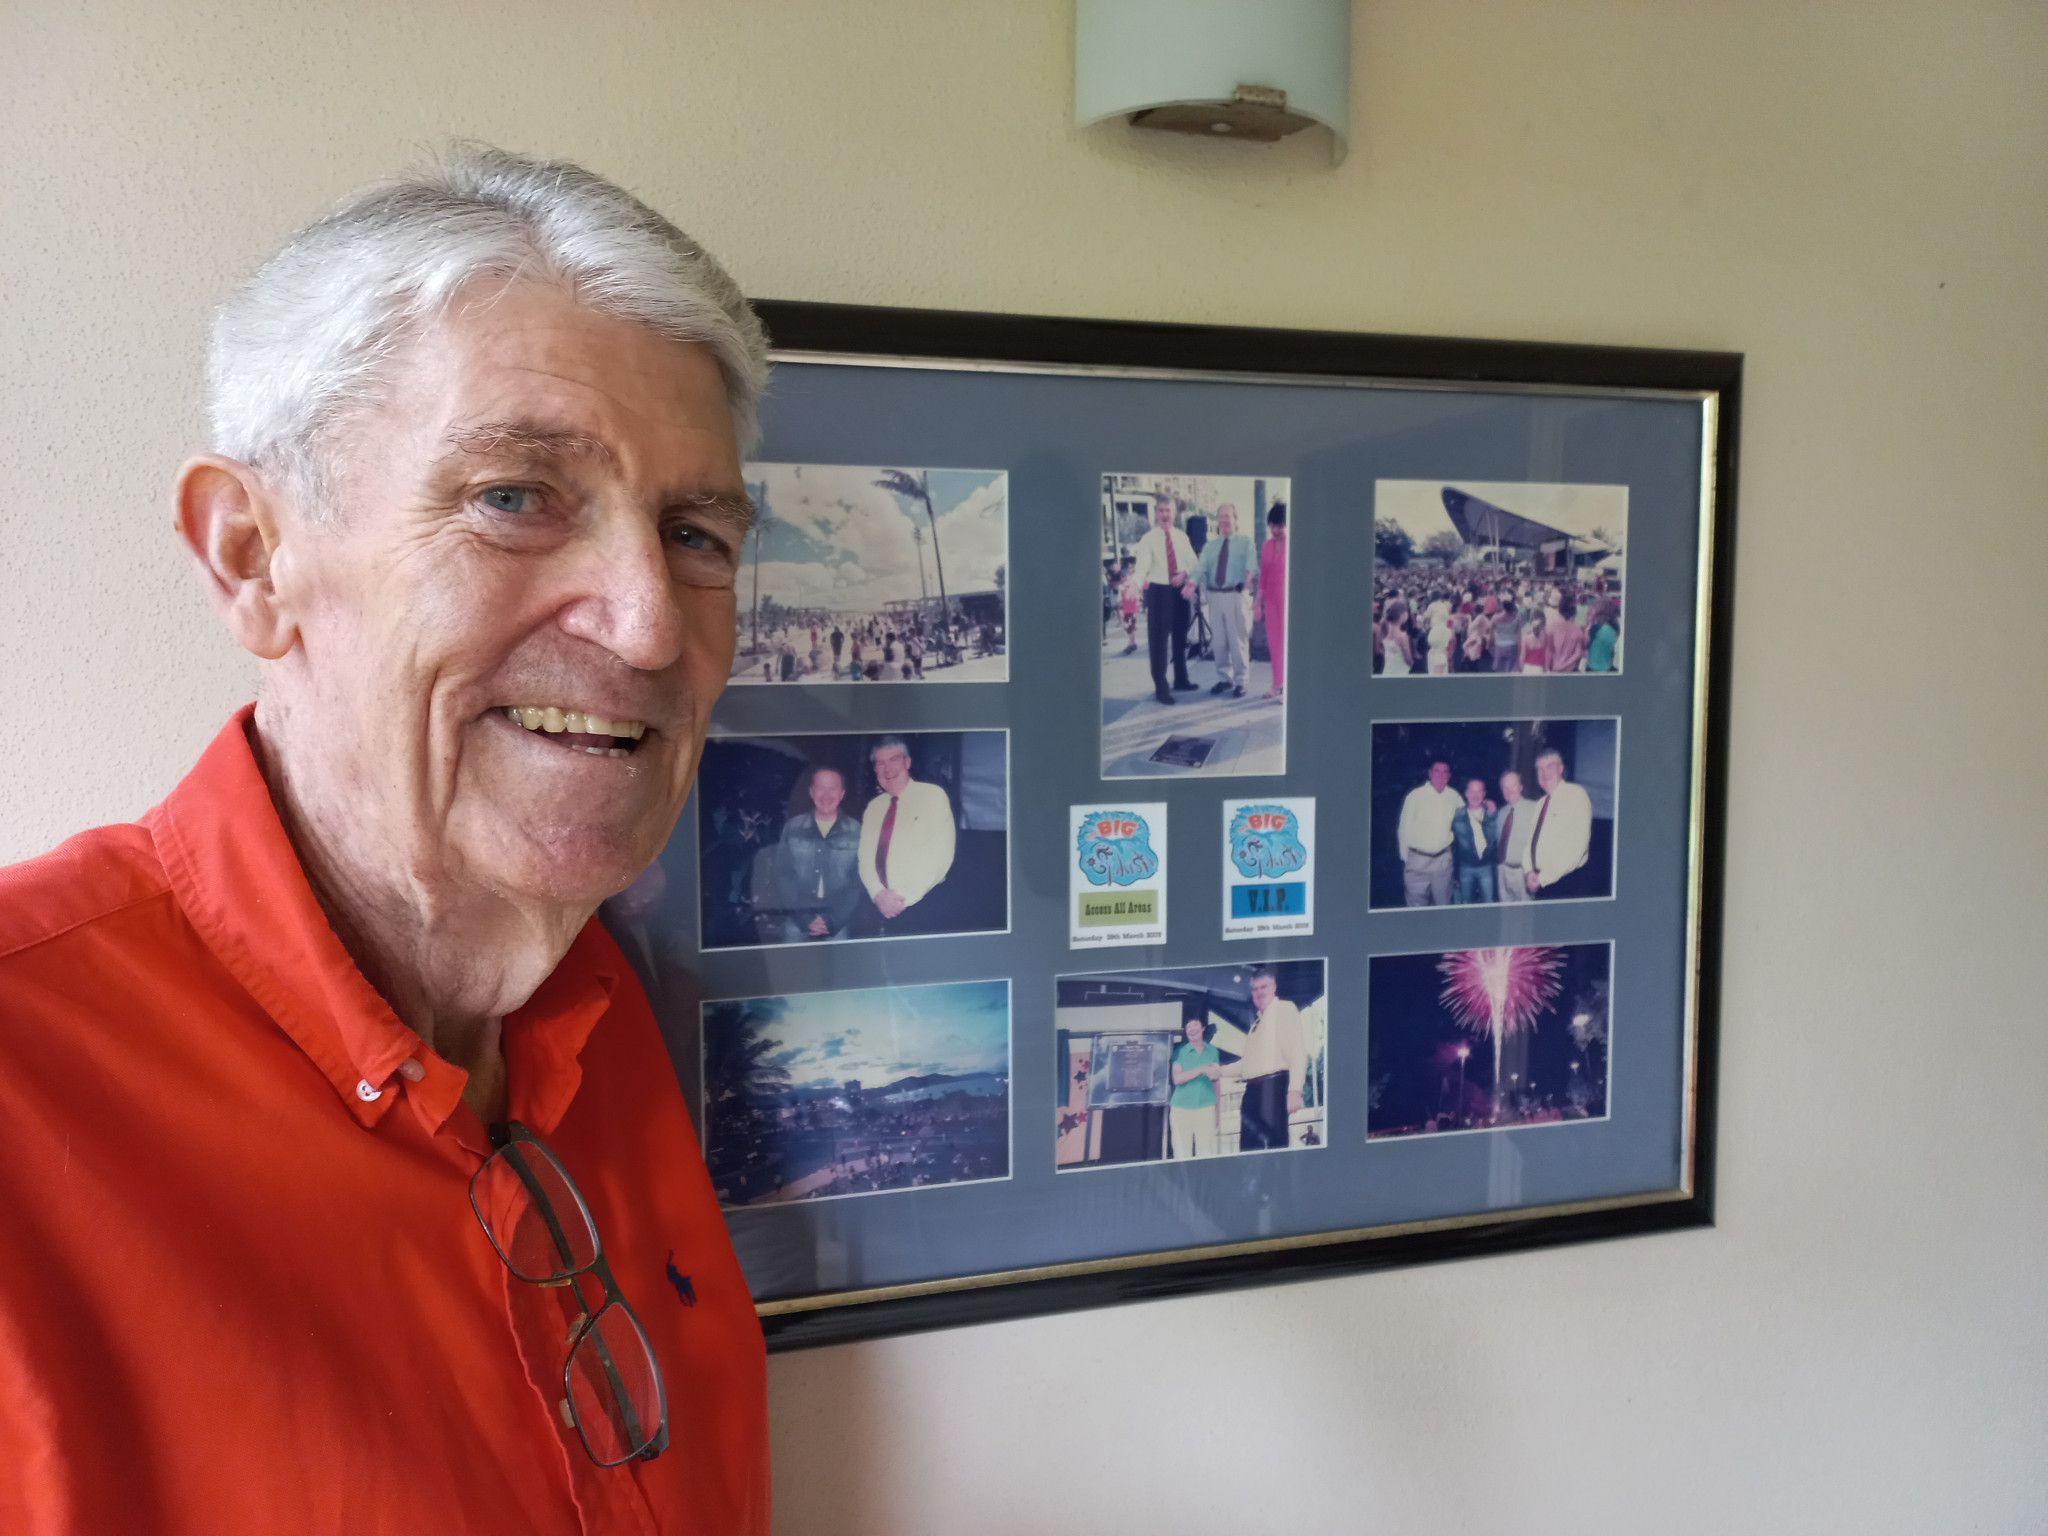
(533, 1214)
(613, 1389)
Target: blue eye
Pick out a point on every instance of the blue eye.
(507, 498)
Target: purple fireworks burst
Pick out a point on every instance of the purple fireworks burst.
(1500, 991)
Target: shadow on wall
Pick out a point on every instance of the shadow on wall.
(826, 1431)
(893, 1439)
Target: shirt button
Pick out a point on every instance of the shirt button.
(411, 1070)
(366, 1093)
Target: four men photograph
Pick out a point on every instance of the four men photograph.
(1470, 834)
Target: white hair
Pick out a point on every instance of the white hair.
(305, 343)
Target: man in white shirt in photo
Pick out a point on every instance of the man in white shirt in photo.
(1563, 833)
(1425, 839)
(1164, 569)
(1226, 572)
(906, 840)
(1517, 825)
(1274, 1068)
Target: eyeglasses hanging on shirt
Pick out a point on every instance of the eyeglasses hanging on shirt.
(540, 1225)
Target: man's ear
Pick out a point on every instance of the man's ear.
(226, 513)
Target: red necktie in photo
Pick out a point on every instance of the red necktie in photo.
(889, 831)
(1172, 565)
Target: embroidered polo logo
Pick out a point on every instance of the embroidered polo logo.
(681, 1281)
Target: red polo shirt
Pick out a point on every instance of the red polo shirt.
(241, 1285)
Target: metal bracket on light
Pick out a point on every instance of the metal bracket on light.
(1244, 69)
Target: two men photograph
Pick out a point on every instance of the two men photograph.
(819, 839)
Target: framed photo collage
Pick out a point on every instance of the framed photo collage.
(1198, 807)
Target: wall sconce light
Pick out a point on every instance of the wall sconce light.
(1242, 69)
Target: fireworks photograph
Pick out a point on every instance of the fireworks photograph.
(816, 1095)
(1481, 1039)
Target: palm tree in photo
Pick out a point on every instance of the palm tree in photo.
(917, 487)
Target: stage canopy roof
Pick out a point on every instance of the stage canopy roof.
(1481, 522)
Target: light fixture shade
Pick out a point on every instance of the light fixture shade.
(1137, 57)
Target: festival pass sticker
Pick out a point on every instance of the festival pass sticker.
(1269, 873)
(1117, 875)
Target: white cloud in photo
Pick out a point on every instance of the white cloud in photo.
(864, 541)
(877, 1036)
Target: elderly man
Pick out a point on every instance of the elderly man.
(285, 1249)
(1225, 571)
(1424, 838)
(1164, 570)
(906, 842)
(1517, 818)
(1563, 834)
(1274, 1068)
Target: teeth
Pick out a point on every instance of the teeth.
(577, 722)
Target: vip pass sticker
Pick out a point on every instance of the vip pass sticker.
(1117, 875)
(1269, 878)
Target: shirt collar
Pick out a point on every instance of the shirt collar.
(240, 883)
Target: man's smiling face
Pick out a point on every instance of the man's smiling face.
(540, 521)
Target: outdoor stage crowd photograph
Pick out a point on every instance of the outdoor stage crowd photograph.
(819, 839)
(1201, 1061)
(1486, 578)
(820, 1094)
(1479, 812)
(1194, 625)
(874, 575)
(1476, 1039)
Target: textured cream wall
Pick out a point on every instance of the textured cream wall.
(1854, 196)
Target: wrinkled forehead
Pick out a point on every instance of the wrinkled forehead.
(529, 368)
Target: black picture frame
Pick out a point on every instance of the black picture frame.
(969, 340)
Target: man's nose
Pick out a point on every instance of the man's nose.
(629, 601)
